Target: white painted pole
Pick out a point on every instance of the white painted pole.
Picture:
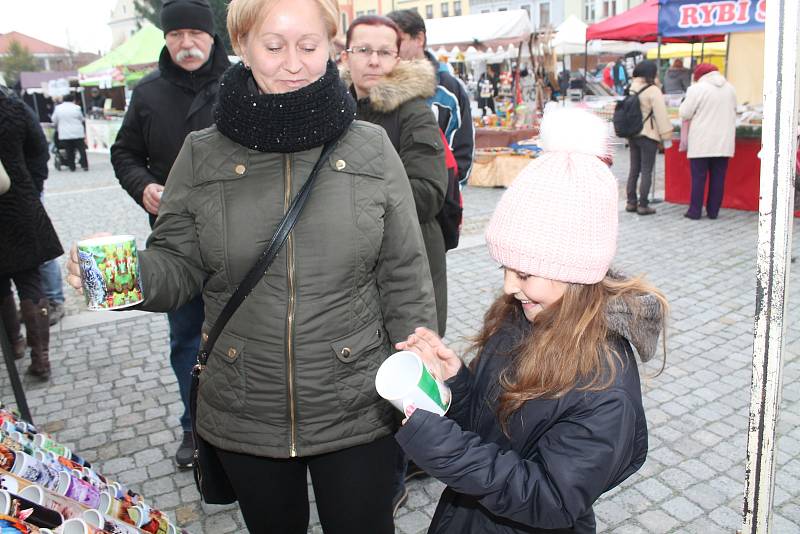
(774, 245)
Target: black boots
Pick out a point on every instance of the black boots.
(8, 311)
(37, 325)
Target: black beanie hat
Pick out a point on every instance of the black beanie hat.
(187, 14)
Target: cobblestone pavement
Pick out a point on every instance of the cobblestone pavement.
(114, 399)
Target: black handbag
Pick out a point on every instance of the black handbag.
(209, 476)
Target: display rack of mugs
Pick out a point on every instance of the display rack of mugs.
(45, 488)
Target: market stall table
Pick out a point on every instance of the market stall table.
(497, 168)
(489, 137)
(741, 180)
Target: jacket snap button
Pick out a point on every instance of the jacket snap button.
(231, 353)
(204, 337)
(345, 352)
(239, 169)
(340, 164)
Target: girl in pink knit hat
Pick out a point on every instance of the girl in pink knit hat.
(549, 414)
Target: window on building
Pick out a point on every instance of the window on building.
(609, 8)
(344, 22)
(588, 11)
(527, 9)
(445, 9)
(429, 11)
(486, 10)
(359, 14)
(457, 8)
(371, 12)
(544, 14)
(502, 9)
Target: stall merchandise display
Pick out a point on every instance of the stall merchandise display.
(44, 485)
(499, 167)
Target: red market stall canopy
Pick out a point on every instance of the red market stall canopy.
(638, 24)
(701, 17)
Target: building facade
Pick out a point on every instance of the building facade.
(429, 9)
(124, 22)
(551, 13)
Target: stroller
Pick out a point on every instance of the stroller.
(59, 153)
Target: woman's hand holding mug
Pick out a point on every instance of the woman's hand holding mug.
(440, 359)
(73, 268)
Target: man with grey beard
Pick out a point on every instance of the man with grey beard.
(166, 105)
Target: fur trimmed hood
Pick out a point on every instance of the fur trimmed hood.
(408, 80)
(641, 327)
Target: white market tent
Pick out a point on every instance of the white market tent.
(500, 28)
(570, 38)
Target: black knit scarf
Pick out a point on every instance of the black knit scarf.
(288, 122)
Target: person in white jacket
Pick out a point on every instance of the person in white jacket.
(710, 106)
(68, 120)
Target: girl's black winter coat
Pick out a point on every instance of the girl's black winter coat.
(562, 454)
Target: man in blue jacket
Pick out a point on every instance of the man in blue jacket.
(450, 104)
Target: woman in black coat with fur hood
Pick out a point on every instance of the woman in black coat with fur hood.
(27, 237)
(393, 93)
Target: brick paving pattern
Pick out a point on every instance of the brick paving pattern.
(114, 399)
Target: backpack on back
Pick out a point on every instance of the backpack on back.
(628, 120)
(450, 216)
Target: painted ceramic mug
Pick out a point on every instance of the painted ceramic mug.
(149, 520)
(8, 457)
(29, 468)
(30, 512)
(404, 380)
(115, 508)
(78, 526)
(78, 490)
(66, 507)
(110, 272)
(48, 444)
(96, 519)
(10, 524)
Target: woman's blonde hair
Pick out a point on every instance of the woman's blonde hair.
(569, 345)
(244, 15)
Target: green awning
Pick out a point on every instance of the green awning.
(141, 49)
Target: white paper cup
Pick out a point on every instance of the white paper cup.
(403, 380)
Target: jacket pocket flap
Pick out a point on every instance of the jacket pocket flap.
(353, 345)
(429, 138)
(228, 347)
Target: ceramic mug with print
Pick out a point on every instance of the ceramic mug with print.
(110, 272)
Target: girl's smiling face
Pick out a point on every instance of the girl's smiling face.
(533, 293)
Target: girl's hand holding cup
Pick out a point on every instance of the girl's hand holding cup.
(440, 359)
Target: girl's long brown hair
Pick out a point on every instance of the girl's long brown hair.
(568, 345)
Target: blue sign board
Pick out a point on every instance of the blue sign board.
(699, 17)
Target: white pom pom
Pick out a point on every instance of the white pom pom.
(575, 131)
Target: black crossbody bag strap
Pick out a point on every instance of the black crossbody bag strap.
(258, 270)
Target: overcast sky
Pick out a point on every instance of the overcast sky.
(78, 24)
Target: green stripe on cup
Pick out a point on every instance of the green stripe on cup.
(428, 384)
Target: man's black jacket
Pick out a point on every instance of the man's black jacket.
(166, 105)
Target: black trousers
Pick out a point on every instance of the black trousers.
(352, 487)
(28, 283)
(72, 145)
(643, 159)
